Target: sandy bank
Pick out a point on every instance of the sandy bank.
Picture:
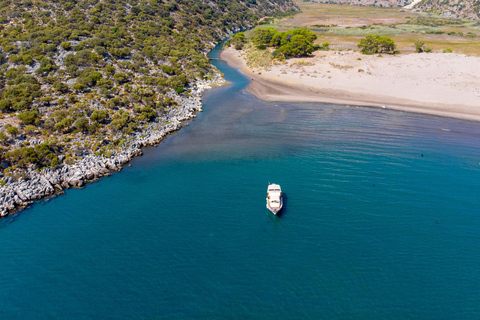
(433, 83)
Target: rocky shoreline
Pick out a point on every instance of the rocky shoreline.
(15, 195)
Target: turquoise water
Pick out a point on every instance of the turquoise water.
(381, 221)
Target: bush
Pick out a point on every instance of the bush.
(60, 87)
(3, 137)
(120, 78)
(374, 43)
(5, 104)
(30, 129)
(11, 130)
(420, 47)
(81, 124)
(29, 117)
(66, 45)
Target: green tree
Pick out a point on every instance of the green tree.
(374, 43)
(298, 46)
(263, 35)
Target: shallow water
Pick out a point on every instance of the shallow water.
(381, 221)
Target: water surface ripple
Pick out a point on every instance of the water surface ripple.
(381, 222)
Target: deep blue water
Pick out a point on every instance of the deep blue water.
(382, 221)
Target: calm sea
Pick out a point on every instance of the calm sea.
(382, 221)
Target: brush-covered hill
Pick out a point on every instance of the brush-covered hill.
(376, 3)
(100, 70)
(469, 9)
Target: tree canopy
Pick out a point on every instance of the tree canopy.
(292, 43)
(374, 43)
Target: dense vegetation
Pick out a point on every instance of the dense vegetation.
(292, 43)
(374, 43)
(76, 77)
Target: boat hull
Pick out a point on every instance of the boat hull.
(274, 198)
(275, 210)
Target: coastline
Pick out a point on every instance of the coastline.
(15, 195)
(436, 84)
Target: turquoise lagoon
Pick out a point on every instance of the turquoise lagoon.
(381, 221)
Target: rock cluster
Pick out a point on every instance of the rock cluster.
(15, 195)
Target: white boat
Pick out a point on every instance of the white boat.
(274, 198)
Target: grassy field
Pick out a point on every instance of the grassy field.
(343, 27)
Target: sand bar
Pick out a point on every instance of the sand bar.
(443, 84)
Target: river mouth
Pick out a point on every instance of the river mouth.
(381, 220)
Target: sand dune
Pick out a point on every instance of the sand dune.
(443, 84)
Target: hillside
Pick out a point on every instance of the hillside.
(377, 3)
(452, 8)
(469, 9)
(85, 84)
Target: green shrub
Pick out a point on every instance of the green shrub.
(66, 45)
(374, 43)
(29, 117)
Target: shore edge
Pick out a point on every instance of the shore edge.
(268, 89)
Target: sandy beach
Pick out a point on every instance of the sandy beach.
(443, 84)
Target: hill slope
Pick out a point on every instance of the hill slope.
(452, 8)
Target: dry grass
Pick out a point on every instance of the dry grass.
(344, 26)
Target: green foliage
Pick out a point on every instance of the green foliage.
(5, 104)
(292, 43)
(81, 124)
(239, 37)
(66, 45)
(42, 155)
(263, 36)
(60, 87)
(28, 117)
(145, 113)
(120, 78)
(99, 115)
(3, 137)
(298, 46)
(30, 129)
(64, 124)
(374, 43)
(420, 47)
(11, 130)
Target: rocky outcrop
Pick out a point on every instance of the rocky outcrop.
(17, 194)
